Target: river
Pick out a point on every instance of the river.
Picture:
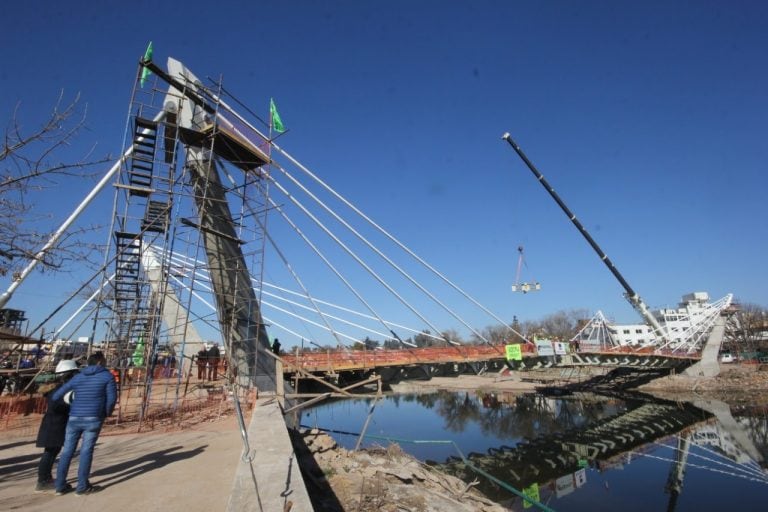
(580, 452)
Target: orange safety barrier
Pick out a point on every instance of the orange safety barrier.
(339, 359)
(364, 359)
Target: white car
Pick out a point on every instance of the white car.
(727, 358)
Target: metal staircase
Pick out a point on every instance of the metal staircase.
(145, 188)
(141, 168)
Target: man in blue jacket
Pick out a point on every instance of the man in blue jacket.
(93, 399)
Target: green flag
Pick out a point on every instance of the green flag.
(277, 123)
(145, 72)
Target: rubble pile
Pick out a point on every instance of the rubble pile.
(382, 479)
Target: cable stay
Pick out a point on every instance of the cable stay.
(182, 264)
(316, 250)
(326, 325)
(175, 189)
(393, 239)
(384, 256)
(202, 283)
(523, 287)
(347, 310)
(295, 276)
(352, 254)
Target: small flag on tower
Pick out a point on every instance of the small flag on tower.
(277, 123)
(145, 72)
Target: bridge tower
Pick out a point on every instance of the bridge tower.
(191, 183)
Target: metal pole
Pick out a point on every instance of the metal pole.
(633, 298)
(6, 296)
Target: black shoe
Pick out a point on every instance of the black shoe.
(88, 490)
(45, 486)
(67, 488)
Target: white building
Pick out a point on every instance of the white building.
(688, 325)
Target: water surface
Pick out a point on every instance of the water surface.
(572, 453)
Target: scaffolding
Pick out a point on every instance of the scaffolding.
(190, 183)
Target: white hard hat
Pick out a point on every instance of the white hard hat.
(66, 365)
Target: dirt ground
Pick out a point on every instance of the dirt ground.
(178, 471)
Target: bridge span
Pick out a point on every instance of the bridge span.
(350, 366)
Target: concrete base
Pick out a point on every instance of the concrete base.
(268, 478)
(709, 365)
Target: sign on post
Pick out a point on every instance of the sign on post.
(514, 352)
(544, 348)
(531, 492)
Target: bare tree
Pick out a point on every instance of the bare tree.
(562, 325)
(495, 334)
(452, 335)
(423, 339)
(30, 162)
(747, 328)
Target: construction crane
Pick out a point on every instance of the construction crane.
(523, 287)
(630, 294)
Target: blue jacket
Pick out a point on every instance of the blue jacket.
(95, 393)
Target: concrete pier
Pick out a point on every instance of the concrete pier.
(268, 477)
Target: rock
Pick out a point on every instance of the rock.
(386, 479)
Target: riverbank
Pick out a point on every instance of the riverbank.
(733, 378)
(735, 384)
(383, 479)
(512, 381)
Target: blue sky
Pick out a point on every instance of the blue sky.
(649, 120)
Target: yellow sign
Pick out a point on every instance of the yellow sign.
(514, 352)
(531, 492)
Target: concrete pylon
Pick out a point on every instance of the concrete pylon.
(709, 366)
(182, 334)
(238, 310)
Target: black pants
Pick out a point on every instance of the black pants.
(46, 464)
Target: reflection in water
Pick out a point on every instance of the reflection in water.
(566, 451)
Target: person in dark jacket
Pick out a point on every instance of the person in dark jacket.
(202, 362)
(50, 437)
(95, 396)
(213, 356)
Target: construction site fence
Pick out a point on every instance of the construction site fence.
(341, 358)
(168, 407)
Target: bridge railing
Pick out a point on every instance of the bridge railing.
(340, 359)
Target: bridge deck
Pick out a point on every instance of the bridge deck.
(331, 361)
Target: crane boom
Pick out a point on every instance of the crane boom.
(633, 298)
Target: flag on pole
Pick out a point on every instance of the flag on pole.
(277, 123)
(145, 72)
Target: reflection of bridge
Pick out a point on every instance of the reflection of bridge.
(424, 363)
(556, 455)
